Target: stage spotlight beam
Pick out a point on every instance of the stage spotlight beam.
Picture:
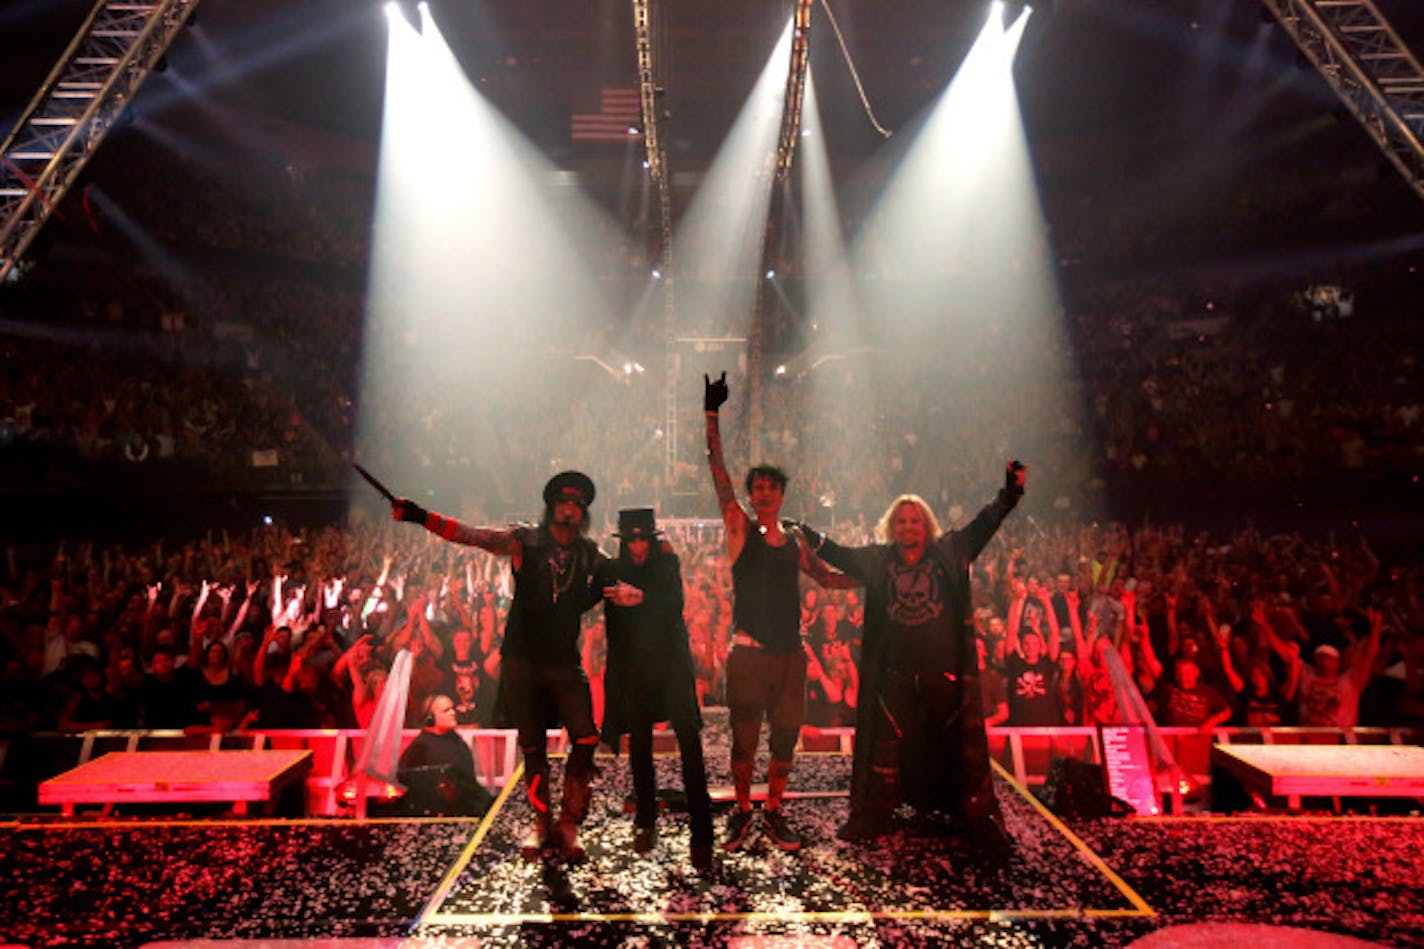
(406, 10)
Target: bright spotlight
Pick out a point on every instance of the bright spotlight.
(657, 274)
(771, 274)
(638, 367)
(781, 370)
(627, 369)
(1012, 14)
(407, 10)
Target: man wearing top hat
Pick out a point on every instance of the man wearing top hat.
(650, 676)
(541, 678)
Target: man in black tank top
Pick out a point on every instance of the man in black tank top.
(766, 671)
(540, 668)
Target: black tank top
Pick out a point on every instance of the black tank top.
(767, 604)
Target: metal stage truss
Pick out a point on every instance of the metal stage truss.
(1354, 47)
(115, 49)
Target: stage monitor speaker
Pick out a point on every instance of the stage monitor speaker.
(1077, 789)
(437, 791)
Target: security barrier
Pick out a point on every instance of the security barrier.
(27, 759)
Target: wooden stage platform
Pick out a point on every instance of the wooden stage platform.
(153, 777)
(1293, 772)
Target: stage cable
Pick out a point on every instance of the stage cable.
(854, 75)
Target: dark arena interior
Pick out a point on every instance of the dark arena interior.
(261, 259)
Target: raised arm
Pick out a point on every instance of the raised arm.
(734, 519)
(978, 532)
(1045, 600)
(1288, 651)
(148, 631)
(241, 617)
(1364, 660)
(1014, 620)
(278, 606)
(462, 609)
(1223, 645)
(259, 673)
(1075, 620)
(1145, 647)
(405, 636)
(429, 641)
(502, 541)
(1174, 630)
(203, 590)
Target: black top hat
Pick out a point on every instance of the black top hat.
(569, 486)
(637, 523)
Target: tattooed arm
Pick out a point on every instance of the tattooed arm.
(820, 571)
(503, 542)
(734, 519)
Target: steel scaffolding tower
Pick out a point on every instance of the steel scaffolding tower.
(1354, 47)
(795, 89)
(113, 52)
(650, 92)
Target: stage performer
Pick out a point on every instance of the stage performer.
(650, 676)
(919, 726)
(766, 671)
(541, 679)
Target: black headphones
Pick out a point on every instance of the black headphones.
(427, 708)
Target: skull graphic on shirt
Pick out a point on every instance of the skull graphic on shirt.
(916, 591)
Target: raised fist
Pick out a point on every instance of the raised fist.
(714, 393)
(1014, 477)
(407, 510)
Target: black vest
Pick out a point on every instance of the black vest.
(550, 595)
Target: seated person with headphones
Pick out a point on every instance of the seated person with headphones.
(438, 769)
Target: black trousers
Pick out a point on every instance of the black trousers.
(694, 776)
(533, 693)
(936, 721)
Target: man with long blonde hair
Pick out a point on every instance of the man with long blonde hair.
(919, 726)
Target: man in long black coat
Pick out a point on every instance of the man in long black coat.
(919, 726)
(650, 678)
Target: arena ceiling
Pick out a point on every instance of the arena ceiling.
(1084, 63)
(1098, 80)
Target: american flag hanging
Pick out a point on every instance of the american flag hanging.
(622, 110)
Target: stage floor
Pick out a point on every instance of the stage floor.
(464, 882)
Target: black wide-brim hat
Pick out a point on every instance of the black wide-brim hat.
(637, 523)
(570, 486)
